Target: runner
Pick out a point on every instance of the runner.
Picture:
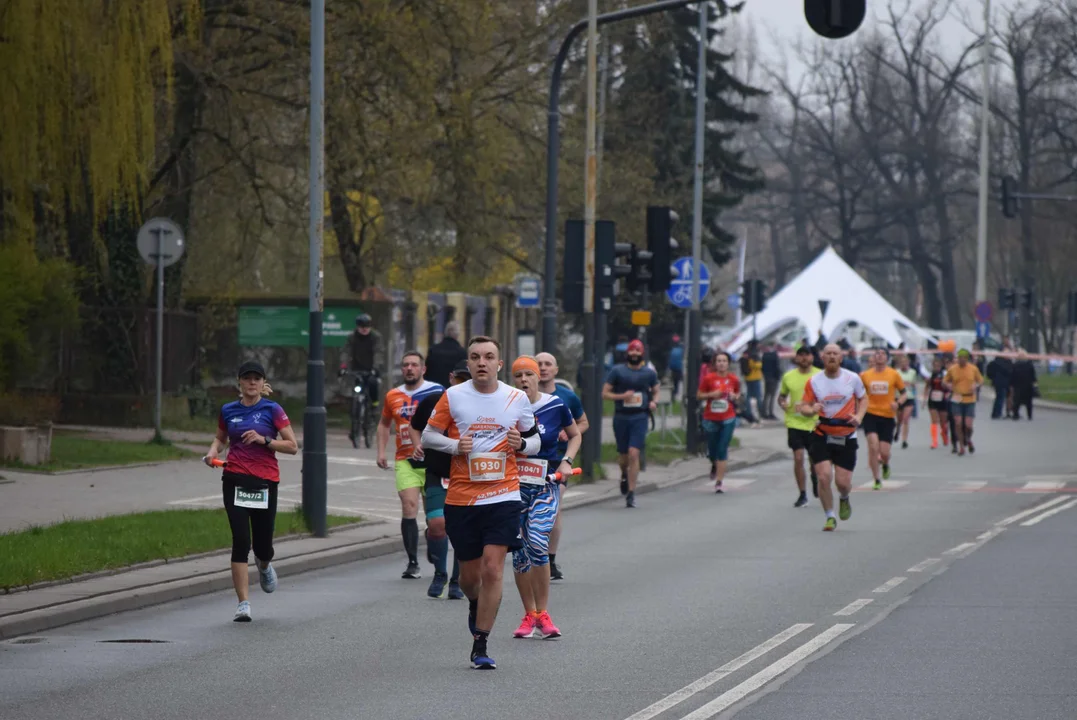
(963, 380)
(935, 397)
(886, 392)
(400, 403)
(837, 396)
(256, 429)
(541, 499)
(719, 391)
(483, 424)
(909, 376)
(799, 429)
(436, 466)
(633, 387)
(549, 384)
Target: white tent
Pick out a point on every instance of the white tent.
(848, 299)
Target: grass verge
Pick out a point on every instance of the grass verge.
(1059, 387)
(76, 547)
(73, 452)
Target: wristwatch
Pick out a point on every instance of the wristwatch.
(567, 459)
(267, 441)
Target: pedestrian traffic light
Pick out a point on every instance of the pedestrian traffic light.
(753, 296)
(659, 243)
(1009, 197)
(1007, 299)
(1071, 308)
(1026, 299)
(835, 18)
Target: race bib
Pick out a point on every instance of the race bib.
(719, 406)
(635, 401)
(404, 434)
(936, 395)
(878, 387)
(486, 467)
(445, 483)
(838, 440)
(253, 499)
(532, 471)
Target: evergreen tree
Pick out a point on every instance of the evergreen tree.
(652, 111)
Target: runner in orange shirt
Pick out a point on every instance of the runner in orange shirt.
(886, 392)
(963, 379)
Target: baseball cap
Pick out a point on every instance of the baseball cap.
(251, 366)
(461, 369)
(635, 346)
(803, 350)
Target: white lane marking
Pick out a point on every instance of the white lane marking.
(334, 460)
(1041, 486)
(965, 485)
(196, 501)
(887, 485)
(357, 478)
(712, 677)
(1031, 511)
(923, 565)
(1049, 513)
(889, 585)
(351, 510)
(854, 606)
(959, 548)
(985, 536)
(761, 678)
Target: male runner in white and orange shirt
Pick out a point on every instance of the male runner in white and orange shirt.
(483, 424)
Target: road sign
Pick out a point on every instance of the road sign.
(171, 239)
(286, 326)
(984, 312)
(641, 318)
(733, 301)
(983, 329)
(680, 288)
(528, 291)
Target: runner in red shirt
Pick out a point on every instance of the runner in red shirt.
(718, 391)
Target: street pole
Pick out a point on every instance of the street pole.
(740, 269)
(694, 330)
(553, 149)
(158, 232)
(985, 170)
(315, 471)
(589, 366)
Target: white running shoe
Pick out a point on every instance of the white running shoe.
(243, 612)
(267, 578)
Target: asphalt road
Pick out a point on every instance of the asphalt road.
(691, 606)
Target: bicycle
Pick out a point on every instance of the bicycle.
(362, 419)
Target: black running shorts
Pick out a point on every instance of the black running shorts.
(878, 425)
(824, 450)
(799, 439)
(472, 527)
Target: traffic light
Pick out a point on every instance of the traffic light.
(659, 243)
(1007, 299)
(1071, 308)
(607, 254)
(1009, 197)
(1026, 299)
(642, 274)
(834, 18)
(753, 296)
(572, 277)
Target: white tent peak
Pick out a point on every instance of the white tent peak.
(851, 299)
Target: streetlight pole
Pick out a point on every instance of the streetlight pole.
(985, 170)
(694, 329)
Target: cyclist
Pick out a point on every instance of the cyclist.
(799, 429)
(436, 466)
(362, 355)
(633, 387)
(719, 390)
(400, 403)
(483, 424)
(886, 393)
(255, 428)
(541, 499)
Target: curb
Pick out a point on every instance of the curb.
(100, 468)
(53, 616)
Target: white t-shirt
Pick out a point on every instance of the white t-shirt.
(838, 397)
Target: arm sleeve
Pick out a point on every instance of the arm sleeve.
(532, 440)
(432, 439)
(280, 418)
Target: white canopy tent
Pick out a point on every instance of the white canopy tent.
(848, 298)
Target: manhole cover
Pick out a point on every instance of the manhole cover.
(27, 641)
(134, 641)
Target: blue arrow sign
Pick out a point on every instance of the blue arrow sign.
(983, 330)
(680, 289)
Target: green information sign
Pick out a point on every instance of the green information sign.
(281, 326)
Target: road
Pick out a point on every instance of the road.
(940, 598)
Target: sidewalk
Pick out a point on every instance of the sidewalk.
(51, 605)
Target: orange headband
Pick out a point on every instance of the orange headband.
(525, 362)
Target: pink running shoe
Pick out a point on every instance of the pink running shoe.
(527, 627)
(545, 627)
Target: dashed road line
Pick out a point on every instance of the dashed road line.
(1049, 513)
(923, 565)
(1031, 511)
(889, 584)
(960, 548)
(854, 606)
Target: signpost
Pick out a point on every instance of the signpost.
(160, 243)
(528, 291)
(680, 288)
(983, 329)
(984, 312)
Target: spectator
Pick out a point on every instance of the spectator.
(772, 377)
(1024, 384)
(751, 368)
(676, 365)
(1000, 373)
(445, 355)
(850, 362)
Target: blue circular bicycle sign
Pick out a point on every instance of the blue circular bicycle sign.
(680, 288)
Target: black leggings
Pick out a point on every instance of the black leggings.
(248, 524)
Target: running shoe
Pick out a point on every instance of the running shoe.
(437, 585)
(243, 612)
(544, 626)
(971, 449)
(555, 572)
(413, 572)
(801, 501)
(480, 657)
(886, 471)
(630, 500)
(624, 482)
(904, 444)
(455, 593)
(718, 488)
(961, 451)
(878, 485)
(814, 485)
(267, 579)
(527, 627)
(831, 525)
(845, 509)
(953, 450)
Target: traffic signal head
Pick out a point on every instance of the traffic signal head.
(659, 241)
(1007, 299)
(835, 18)
(1071, 308)
(753, 296)
(607, 252)
(1009, 197)
(1026, 299)
(642, 274)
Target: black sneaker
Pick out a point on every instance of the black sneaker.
(437, 585)
(455, 593)
(555, 572)
(971, 449)
(413, 572)
(480, 657)
(905, 445)
(814, 485)
(624, 482)
(801, 501)
(630, 500)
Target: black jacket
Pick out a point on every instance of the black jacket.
(1024, 376)
(772, 366)
(443, 358)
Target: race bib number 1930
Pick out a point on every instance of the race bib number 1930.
(486, 467)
